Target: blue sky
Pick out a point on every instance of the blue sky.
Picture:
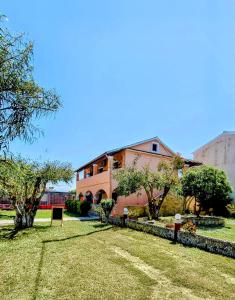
(128, 70)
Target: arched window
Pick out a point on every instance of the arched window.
(101, 194)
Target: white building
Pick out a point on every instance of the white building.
(220, 152)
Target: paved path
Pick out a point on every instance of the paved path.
(91, 218)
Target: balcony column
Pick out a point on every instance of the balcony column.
(110, 163)
(95, 169)
(77, 176)
(110, 169)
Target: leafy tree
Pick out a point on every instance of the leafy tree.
(22, 100)
(209, 186)
(73, 191)
(156, 184)
(25, 183)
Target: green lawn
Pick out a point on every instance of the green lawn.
(41, 213)
(225, 233)
(88, 260)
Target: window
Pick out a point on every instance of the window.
(155, 147)
(100, 169)
(116, 164)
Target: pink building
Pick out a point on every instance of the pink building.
(95, 181)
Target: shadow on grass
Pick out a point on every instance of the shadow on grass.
(39, 270)
(6, 217)
(75, 236)
(9, 233)
(102, 225)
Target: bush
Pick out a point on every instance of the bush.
(172, 205)
(85, 206)
(107, 206)
(78, 207)
(230, 210)
(189, 227)
(135, 212)
(71, 205)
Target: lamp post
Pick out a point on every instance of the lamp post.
(125, 215)
(177, 226)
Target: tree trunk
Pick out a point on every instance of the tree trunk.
(161, 200)
(199, 210)
(24, 220)
(152, 208)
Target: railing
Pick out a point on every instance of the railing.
(102, 174)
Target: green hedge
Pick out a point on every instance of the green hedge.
(78, 207)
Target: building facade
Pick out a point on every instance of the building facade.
(95, 181)
(220, 152)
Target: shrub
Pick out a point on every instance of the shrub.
(172, 205)
(85, 206)
(99, 210)
(78, 207)
(230, 210)
(107, 206)
(70, 205)
(190, 227)
(135, 212)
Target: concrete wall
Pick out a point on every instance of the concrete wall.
(220, 153)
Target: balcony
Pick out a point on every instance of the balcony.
(99, 178)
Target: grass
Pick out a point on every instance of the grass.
(89, 260)
(41, 213)
(225, 233)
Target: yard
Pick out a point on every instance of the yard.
(89, 260)
(225, 233)
(41, 213)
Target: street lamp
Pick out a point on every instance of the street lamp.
(125, 215)
(177, 225)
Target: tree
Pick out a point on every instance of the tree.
(209, 186)
(22, 100)
(25, 183)
(156, 184)
(73, 191)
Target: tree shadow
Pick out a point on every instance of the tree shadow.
(102, 225)
(6, 217)
(10, 233)
(75, 236)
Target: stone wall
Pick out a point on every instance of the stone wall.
(206, 243)
(194, 240)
